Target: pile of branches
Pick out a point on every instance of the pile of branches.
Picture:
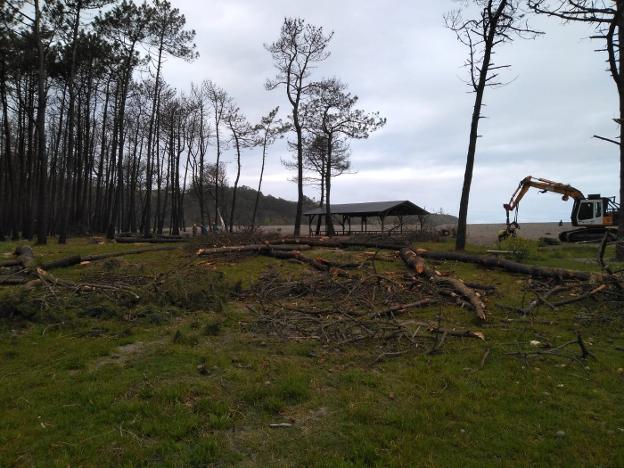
(114, 285)
(224, 239)
(454, 288)
(354, 305)
(42, 287)
(351, 303)
(26, 272)
(605, 289)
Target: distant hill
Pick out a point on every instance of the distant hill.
(274, 210)
(271, 210)
(437, 219)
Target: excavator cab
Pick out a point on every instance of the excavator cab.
(594, 211)
(588, 213)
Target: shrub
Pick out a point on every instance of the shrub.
(521, 249)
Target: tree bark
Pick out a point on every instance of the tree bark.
(255, 210)
(619, 249)
(148, 177)
(329, 225)
(235, 188)
(460, 241)
(42, 195)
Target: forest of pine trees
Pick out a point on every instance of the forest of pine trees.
(94, 140)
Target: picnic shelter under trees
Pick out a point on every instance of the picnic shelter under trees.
(388, 217)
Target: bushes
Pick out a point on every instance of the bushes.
(521, 249)
(14, 304)
(126, 294)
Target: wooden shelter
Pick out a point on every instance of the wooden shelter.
(343, 214)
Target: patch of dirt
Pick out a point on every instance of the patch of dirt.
(121, 355)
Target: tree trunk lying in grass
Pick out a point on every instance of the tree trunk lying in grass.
(416, 263)
(251, 248)
(149, 240)
(12, 280)
(76, 259)
(511, 266)
(318, 264)
(26, 260)
(488, 261)
(282, 251)
(340, 243)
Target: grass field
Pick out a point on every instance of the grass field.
(182, 377)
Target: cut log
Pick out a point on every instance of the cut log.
(12, 280)
(284, 252)
(76, 259)
(25, 256)
(488, 261)
(296, 255)
(63, 262)
(291, 247)
(231, 249)
(342, 243)
(26, 259)
(141, 240)
(508, 265)
(412, 260)
(253, 248)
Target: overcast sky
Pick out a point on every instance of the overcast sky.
(398, 57)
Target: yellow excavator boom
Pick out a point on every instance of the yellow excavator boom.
(545, 185)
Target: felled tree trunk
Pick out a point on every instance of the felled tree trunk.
(416, 263)
(488, 261)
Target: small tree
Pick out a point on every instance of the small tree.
(219, 102)
(243, 136)
(316, 162)
(299, 47)
(498, 22)
(331, 113)
(270, 128)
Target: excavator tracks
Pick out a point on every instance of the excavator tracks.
(586, 234)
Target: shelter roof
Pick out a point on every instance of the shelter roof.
(380, 208)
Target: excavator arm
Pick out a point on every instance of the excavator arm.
(545, 185)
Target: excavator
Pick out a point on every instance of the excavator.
(593, 215)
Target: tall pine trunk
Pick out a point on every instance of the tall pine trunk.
(460, 241)
(42, 196)
(255, 210)
(235, 188)
(329, 224)
(148, 176)
(619, 251)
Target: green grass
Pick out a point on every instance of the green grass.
(182, 381)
